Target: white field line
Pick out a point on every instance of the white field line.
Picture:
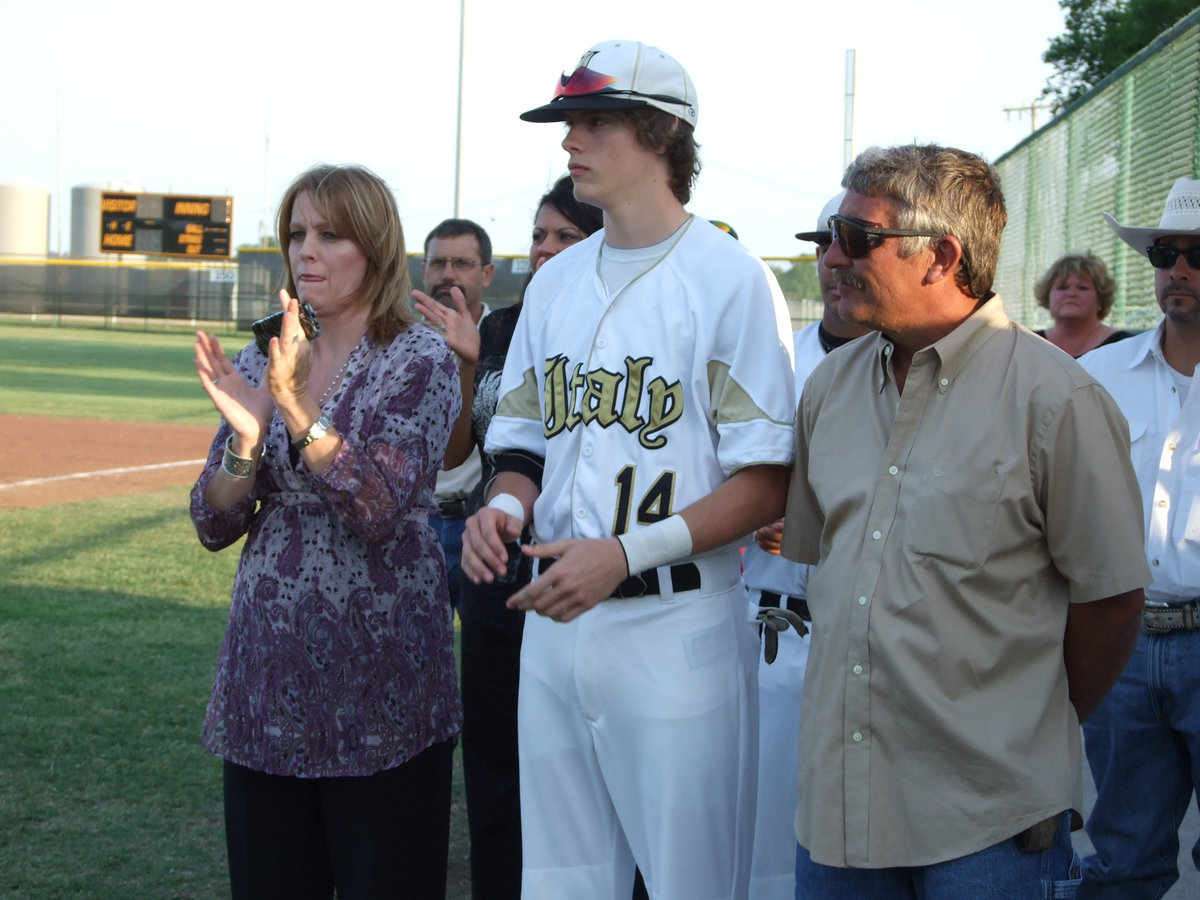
(103, 473)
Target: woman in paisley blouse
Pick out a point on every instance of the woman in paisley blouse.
(491, 633)
(335, 705)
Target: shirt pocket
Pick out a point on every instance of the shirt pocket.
(952, 516)
(1140, 451)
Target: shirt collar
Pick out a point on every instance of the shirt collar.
(955, 349)
(1151, 349)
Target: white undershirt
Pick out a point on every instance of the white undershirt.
(1183, 384)
(619, 266)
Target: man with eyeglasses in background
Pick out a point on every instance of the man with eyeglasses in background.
(967, 492)
(458, 254)
(1143, 743)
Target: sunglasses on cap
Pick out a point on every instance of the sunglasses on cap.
(1163, 256)
(857, 238)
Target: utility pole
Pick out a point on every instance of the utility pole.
(462, 19)
(1032, 109)
(848, 120)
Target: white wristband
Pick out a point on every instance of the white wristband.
(509, 504)
(657, 545)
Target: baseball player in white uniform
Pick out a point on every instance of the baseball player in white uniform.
(777, 583)
(644, 426)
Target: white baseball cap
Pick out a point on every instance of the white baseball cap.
(1181, 215)
(622, 75)
(823, 235)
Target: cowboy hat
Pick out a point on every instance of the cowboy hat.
(1181, 215)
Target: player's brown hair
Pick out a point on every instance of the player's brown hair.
(360, 207)
(662, 132)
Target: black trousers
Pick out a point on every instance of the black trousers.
(382, 835)
(491, 664)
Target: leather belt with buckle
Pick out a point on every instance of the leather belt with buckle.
(1166, 619)
(684, 577)
(452, 509)
(798, 605)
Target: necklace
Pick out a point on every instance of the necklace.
(336, 378)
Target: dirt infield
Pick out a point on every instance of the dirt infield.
(44, 460)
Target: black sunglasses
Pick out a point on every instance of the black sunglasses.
(857, 238)
(1163, 256)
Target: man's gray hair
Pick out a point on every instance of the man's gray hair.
(942, 190)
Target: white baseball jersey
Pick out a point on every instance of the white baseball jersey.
(770, 571)
(780, 686)
(644, 404)
(641, 404)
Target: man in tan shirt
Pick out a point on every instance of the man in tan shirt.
(967, 491)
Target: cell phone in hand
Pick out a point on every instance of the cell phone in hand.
(270, 326)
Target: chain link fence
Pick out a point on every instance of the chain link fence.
(147, 294)
(1117, 150)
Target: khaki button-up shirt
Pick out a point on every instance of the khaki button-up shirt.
(954, 525)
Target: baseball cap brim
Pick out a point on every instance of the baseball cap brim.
(556, 110)
(817, 237)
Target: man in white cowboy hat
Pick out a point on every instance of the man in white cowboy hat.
(1143, 742)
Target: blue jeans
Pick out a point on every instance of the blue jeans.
(1143, 746)
(450, 532)
(1001, 871)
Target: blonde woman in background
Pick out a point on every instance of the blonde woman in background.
(1078, 291)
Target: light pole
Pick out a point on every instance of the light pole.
(462, 16)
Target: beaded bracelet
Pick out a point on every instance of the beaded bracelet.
(236, 466)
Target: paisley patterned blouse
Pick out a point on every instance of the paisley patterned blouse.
(338, 656)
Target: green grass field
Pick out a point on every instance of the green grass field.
(103, 374)
(111, 615)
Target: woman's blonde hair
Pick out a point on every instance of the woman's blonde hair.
(359, 206)
(1077, 264)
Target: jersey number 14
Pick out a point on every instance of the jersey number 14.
(655, 504)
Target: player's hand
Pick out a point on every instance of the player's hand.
(484, 555)
(769, 537)
(587, 571)
(456, 325)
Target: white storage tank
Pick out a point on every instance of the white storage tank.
(24, 219)
(85, 215)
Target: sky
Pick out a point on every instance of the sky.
(237, 98)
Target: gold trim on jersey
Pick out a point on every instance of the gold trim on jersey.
(521, 403)
(730, 402)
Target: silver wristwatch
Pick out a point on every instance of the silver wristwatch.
(315, 433)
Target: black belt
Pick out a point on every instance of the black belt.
(1165, 619)
(684, 577)
(798, 605)
(452, 509)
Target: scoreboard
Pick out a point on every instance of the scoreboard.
(166, 225)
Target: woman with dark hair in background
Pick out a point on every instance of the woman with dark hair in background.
(491, 633)
(335, 705)
(1079, 292)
